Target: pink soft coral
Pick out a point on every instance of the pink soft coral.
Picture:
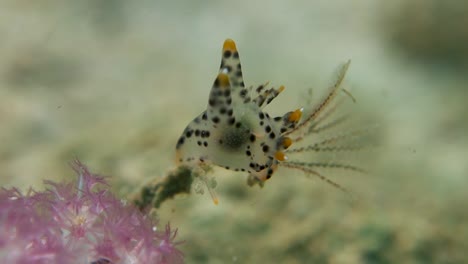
(79, 222)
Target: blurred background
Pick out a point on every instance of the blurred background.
(115, 82)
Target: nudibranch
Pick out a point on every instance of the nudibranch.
(235, 133)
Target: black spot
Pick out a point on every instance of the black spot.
(265, 148)
(220, 141)
(269, 173)
(283, 129)
(262, 167)
(268, 129)
(236, 169)
(261, 115)
(238, 66)
(199, 143)
(247, 100)
(248, 153)
(242, 169)
(259, 88)
(252, 138)
(238, 124)
(236, 55)
(197, 133)
(197, 120)
(227, 93)
(278, 118)
(205, 144)
(272, 135)
(222, 110)
(229, 101)
(239, 73)
(204, 116)
(227, 167)
(216, 83)
(261, 123)
(243, 93)
(212, 102)
(251, 165)
(267, 115)
(231, 120)
(181, 141)
(188, 133)
(242, 84)
(227, 54)
(215, 119)
(230, 112)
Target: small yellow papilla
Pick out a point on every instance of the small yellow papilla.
(279, 155)
(223, 80)
(295, 116)
(230, 45)
(287, 142)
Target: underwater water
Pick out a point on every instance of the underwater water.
(115, 83)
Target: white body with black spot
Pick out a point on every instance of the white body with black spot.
(234, 132)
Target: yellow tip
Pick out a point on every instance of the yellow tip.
(212, 192)
(281, 88)
(223, 80)
(287, 142)
(229, 44)
(279, 155)
(295, 116)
